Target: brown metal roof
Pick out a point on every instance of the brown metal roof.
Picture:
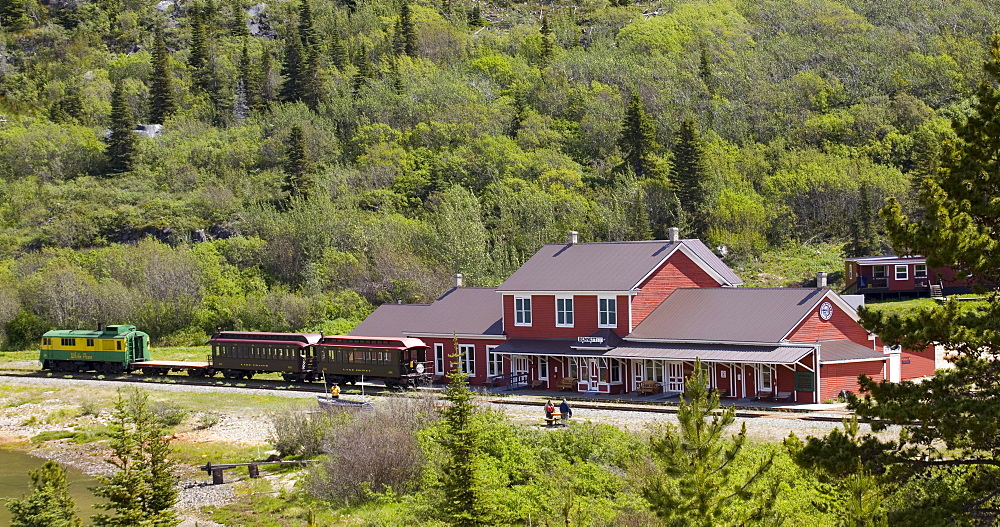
(713, 353)
(844, 350)
(887, 260)
(716, 314)
(604, 266)
(461, 310)
(550, 347)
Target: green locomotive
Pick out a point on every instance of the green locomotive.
(112, 349)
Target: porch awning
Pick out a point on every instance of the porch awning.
(712, 353)
(548, 347)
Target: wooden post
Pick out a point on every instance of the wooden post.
(254, 471)
(217, 478)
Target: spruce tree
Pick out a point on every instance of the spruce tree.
(292, 69)
(198, 55)
(266, 92)
(14, 14)
(239, 21)
(306, 30)
(476, 17)
(312, 81)
(699, 484)
(363, 74)
(638, 141)
(121, 140)
(688, 173)
(297, 182)
(161, 91)
(407, 32)
(338, 53)
(142, 491)
(547, 44)
(461, 483)
(246, 85)
(862, 240)
(49, 505)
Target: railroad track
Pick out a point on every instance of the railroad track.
(378, 390)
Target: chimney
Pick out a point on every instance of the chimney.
(458, 279)
(574, 237)
(675, 235)
(821, 279)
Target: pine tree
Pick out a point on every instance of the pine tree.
(239, 27)
(547, 44)
(688, 173)
(121, 141)
(407, 32)
(461, 482)
(306, 30)
(698, 485)
(246, 93)
(297, 168)
(862, 240)
(142, 491)
(363, 74)
(312, 81)
(161, 90)
(476, 17)
(266, 92)
(49, 505)
(338, 53)
(292, 69)
(638, 141)
(14, 14)
(198, 55)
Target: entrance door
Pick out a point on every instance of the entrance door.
(593, 368)
(675, 377)
(519, 368)
(638, 373)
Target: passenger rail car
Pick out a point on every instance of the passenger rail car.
(242, 354)
(112, 349)
(398, 362)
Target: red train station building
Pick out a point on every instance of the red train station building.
(619, 317)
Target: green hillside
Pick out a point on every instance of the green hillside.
(318, 158)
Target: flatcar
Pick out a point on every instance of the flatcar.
(242, 354)
(396, 361)
(112, 349)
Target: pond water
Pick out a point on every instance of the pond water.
(15, 483)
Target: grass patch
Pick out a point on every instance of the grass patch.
(795, 266)
(201, 453)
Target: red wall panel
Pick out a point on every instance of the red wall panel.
(840, 326)
(916, 364)
(677, 271)
(844, 376)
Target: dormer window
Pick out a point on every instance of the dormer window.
(564, 312)
(522, 310)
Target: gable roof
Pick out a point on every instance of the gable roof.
(843, 350)
(730, 314)
(460, 310)
(608, 266)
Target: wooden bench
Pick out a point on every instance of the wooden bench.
(555, 420)
(567, 383)
(763, 396)
(649, 388)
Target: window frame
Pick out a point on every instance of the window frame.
(494, 361)
(467, 358)
(879, 271)
(543, 368)
(906, 272)
(522, 311)
(761, 370)
(439, 358)
(611, 315)
(562, 312)
(918, 273)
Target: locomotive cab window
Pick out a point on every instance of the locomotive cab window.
(119, 345)
(68, 342)
(90, 343)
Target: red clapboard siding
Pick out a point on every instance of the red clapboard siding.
(921, 363)
(677, 271)
(543, 317)
(844, 376)
(449, 350)
(840, 326)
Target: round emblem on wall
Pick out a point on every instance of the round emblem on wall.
(826, 311)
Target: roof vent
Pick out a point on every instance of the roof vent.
(574, 237)
(458, 279)
(821, 279)
(675, 235)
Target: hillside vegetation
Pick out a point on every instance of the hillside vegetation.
(317, 158)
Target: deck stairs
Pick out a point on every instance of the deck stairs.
(936, 291)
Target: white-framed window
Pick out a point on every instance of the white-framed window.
(654, 370)
(901, 272)
(920, 271)
(607, 312)
(616, 371)
(467, 358)
(522, 310)
(494, 362)
(574, 368)
(439, 358)
(766, 381)
(564, 311)
(878, 271)
(543, 368)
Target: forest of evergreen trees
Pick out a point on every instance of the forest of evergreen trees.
(317, 158)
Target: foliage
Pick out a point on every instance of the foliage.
(303, 432)
(695, 485)
(142, 490)
(49, 504)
